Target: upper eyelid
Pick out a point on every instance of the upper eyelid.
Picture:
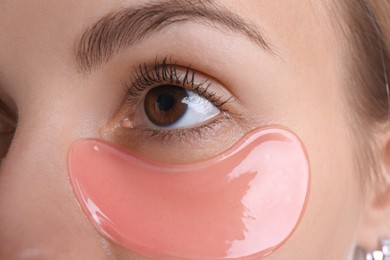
(165, 71)
(129, 26)
(150, 75)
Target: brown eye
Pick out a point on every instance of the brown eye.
(163, 104)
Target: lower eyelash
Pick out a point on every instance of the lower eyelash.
(194, 133)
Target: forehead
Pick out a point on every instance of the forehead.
(39, 37)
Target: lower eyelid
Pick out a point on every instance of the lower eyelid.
(179, 145)
(163, 136)
(179, 134)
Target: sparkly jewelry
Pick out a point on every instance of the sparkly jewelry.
(383, 254)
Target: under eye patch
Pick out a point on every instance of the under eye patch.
(242, 203)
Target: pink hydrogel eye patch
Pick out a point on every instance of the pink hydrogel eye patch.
(242, 203)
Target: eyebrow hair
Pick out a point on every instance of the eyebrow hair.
(124, 28)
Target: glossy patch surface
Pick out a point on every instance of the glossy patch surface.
(243, 203)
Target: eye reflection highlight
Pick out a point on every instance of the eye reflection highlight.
(175, 107)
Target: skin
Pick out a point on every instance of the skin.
(300, 88)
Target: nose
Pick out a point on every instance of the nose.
(39, 216)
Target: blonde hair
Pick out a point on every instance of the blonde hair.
(368, 33)
(367, 30)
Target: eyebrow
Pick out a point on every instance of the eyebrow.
(124, 28)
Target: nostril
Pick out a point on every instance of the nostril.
(8, 123)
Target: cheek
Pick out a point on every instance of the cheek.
(244, 202)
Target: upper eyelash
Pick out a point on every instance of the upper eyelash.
(167, 72)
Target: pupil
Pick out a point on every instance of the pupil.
(163, 106)
(165, 102)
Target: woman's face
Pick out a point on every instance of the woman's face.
(285, 73)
